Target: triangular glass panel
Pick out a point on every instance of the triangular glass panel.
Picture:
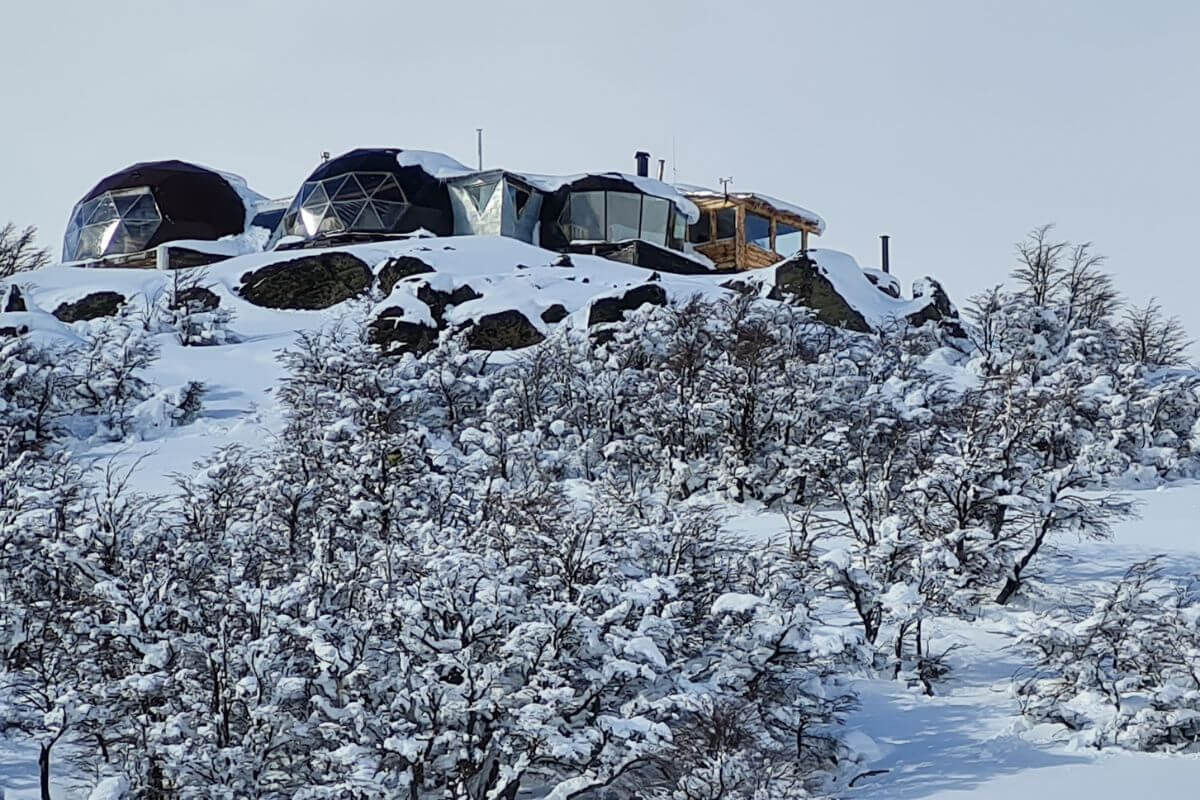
(368, 220)
(125, 200)
(91, 241)
(370, 181)
(389, 191)
(333, 185)
(113, 239)
(70, 244)
(144, 209)
(316, 198)
(389, 213)
(330, 224)
(104, 210)
(350, 190)
(311, 219)
(481, 194)
(348, 211)
(139, 234)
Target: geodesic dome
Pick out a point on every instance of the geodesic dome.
(150, 203)
(368, 192)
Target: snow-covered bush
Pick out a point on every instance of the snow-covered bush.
(1119, 670)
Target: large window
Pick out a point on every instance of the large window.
(624, 215)
(788, 240)
(656, 217)
(617, 216)
(584, 217)
(758, 230)
(727, 223)
(116, 222)
(357, 201)
(700, 232)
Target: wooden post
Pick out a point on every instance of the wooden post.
(739, 238)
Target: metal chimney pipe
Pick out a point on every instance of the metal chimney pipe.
(883, 243)
(643, 163)
(662, 166)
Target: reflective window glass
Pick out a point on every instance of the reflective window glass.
(348, 210)
(481, 194)
(370, 181)
(788, 240)
(583, 218)
(758, 230)
(350, 189)
(726, 223)
(369, 219)
(390, 191)
(520, 200)
(700, 232)
(678, 229)
(623, 216)
(656, 217)
(389, 213)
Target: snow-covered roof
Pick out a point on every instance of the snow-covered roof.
(439, 165)
(811, 217)
(552, 183)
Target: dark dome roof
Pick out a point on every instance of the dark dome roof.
(368, 192)
(149, 203)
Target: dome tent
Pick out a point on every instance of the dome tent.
(372, 193)
(150, 203)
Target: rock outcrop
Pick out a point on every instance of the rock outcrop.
(92, 306)
(799, 280)
(612, 309)
(504, 330)
(310, 282)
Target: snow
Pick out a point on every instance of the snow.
(782, 205)
(967, 741)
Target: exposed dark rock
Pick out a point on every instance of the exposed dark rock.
(798, 279)
(94, 306)
(7, 331)
(883, 282)
(396, 335)
(612, 309)
(654, 276)
(504, 330)
(939, 309)
(315, 281)
(197, 298)
(564, 261)
(741, 287)
(438, 301)
(398, 268)
(11, 299)
(555, 313)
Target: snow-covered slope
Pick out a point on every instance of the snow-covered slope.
(967, 740)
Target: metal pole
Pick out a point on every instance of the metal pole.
(883, 242)
(479, 141)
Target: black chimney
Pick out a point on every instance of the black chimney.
(643, 163)
(883, 242)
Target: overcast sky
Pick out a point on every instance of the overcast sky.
(954, 126)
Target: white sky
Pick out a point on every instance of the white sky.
(953, 126)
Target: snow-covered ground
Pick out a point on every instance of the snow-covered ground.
(966, 742)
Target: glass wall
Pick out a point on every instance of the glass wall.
(758, 230)
(788, 240)
(726, 223)
(656, 217)
(624, 216)
(358, 201)
(618, 216)
(117, 222)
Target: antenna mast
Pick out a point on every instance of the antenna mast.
(479, 143)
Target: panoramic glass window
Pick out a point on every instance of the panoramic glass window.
(624, 216)
(788, 240)
(583, 218)
(727, 223)
(358, 201)
(116, 222)
(656, 216)
(758, 230)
